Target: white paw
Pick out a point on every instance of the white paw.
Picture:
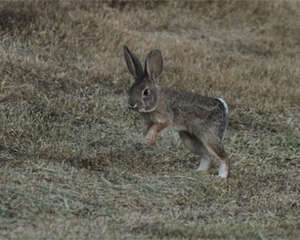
(223, 171)
(204, 164)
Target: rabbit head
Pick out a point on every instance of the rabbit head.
(144, 93)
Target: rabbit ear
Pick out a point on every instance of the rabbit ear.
(133, 63)
(154, 64)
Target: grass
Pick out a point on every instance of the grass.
(72, 158)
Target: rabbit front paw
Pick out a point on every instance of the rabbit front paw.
(153, 130)
(151, 137)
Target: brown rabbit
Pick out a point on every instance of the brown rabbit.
(200, 121)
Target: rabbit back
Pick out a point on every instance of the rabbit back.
(193, 112)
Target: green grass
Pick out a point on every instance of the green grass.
(73, 163)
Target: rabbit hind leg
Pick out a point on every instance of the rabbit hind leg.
(215, 147)
(196, 146)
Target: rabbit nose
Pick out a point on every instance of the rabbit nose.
(132, 106)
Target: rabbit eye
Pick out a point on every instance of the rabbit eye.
(146, 92)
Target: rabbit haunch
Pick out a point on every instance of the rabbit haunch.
(200, 121)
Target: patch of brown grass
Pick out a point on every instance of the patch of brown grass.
(73, 162)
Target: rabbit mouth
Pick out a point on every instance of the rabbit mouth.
(144, 110)
(141, 109)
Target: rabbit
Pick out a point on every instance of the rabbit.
(200, 121)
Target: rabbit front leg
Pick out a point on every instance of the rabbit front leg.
(153, 130)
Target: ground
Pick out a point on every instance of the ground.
(73, 160)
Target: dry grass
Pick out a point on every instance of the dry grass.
(73, 162)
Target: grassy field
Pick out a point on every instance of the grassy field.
(73, 160)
